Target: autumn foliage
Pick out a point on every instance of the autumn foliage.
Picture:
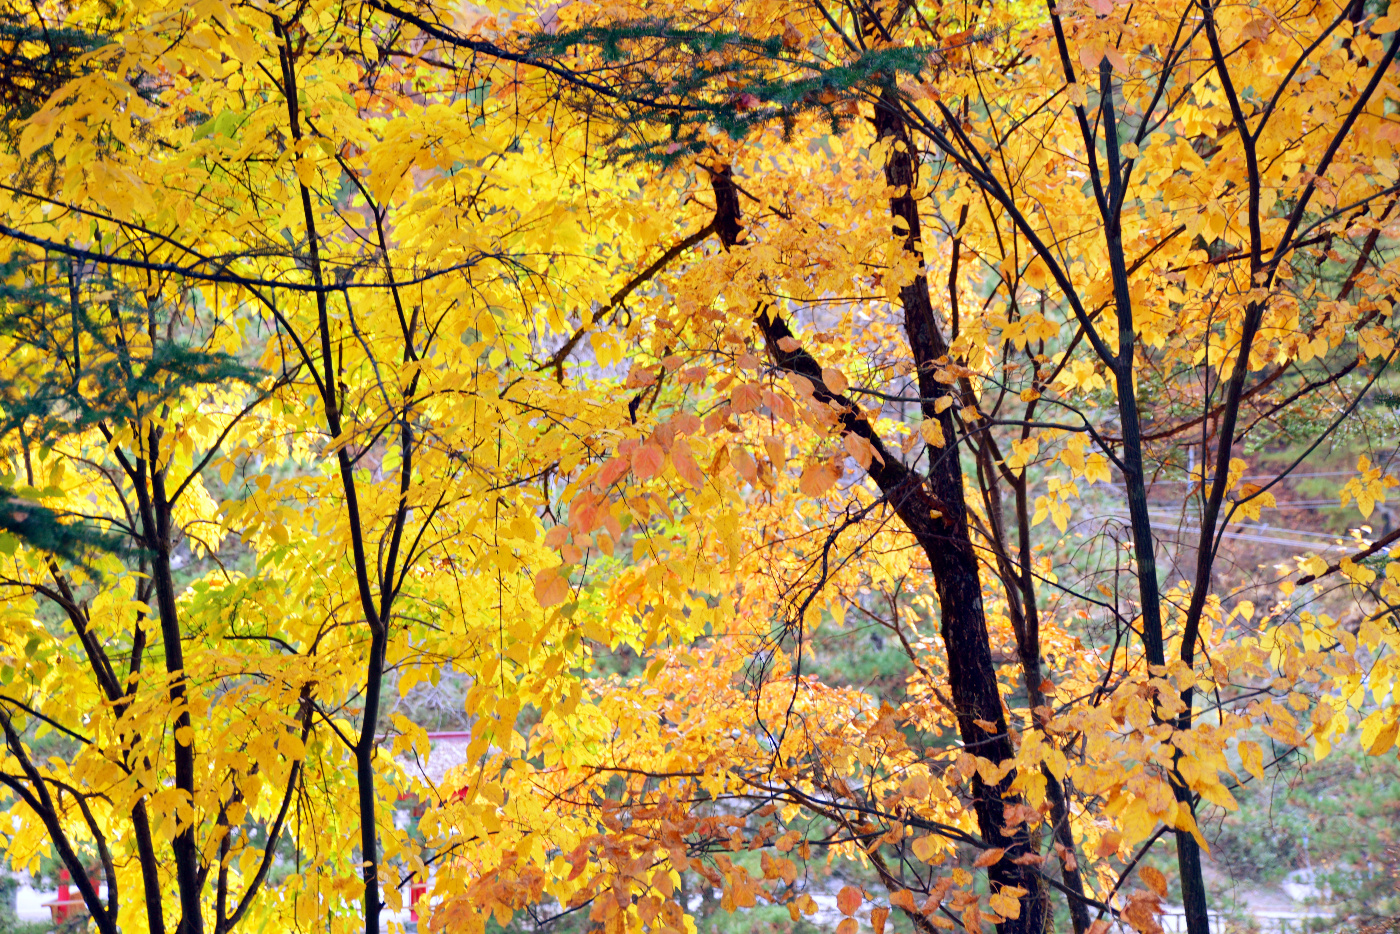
(352, 346)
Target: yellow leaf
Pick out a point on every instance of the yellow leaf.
(306, 172)
(1384, 739)
(1005, 904)
(1096, 468)
(932, 432)
(1357, 573)
(1313, 565)
(926, 848)
(1252, 757)
(1257, 502)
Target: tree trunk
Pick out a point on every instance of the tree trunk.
(972, 676)
(935, 512)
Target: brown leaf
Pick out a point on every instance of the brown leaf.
(792, 38)
(1142, 911)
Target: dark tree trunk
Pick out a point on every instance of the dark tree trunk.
(971, 674)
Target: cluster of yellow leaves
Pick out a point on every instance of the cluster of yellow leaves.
(679, 500)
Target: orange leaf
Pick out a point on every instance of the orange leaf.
(816, 479)
(647, 461)
(849, 899)
(858, 448)
(685, 464)
(777, 450)
(1108, 844)
(746, 397)
(641, 376)
(1154, 879)
(745, 464)
(903, 899)
(835, 380)
(877, 919)
(1142, 911)
(551, 587)
(847, 926)
(612, 471)
(989, 858)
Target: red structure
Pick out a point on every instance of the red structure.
(416, 891)
(69, 904)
